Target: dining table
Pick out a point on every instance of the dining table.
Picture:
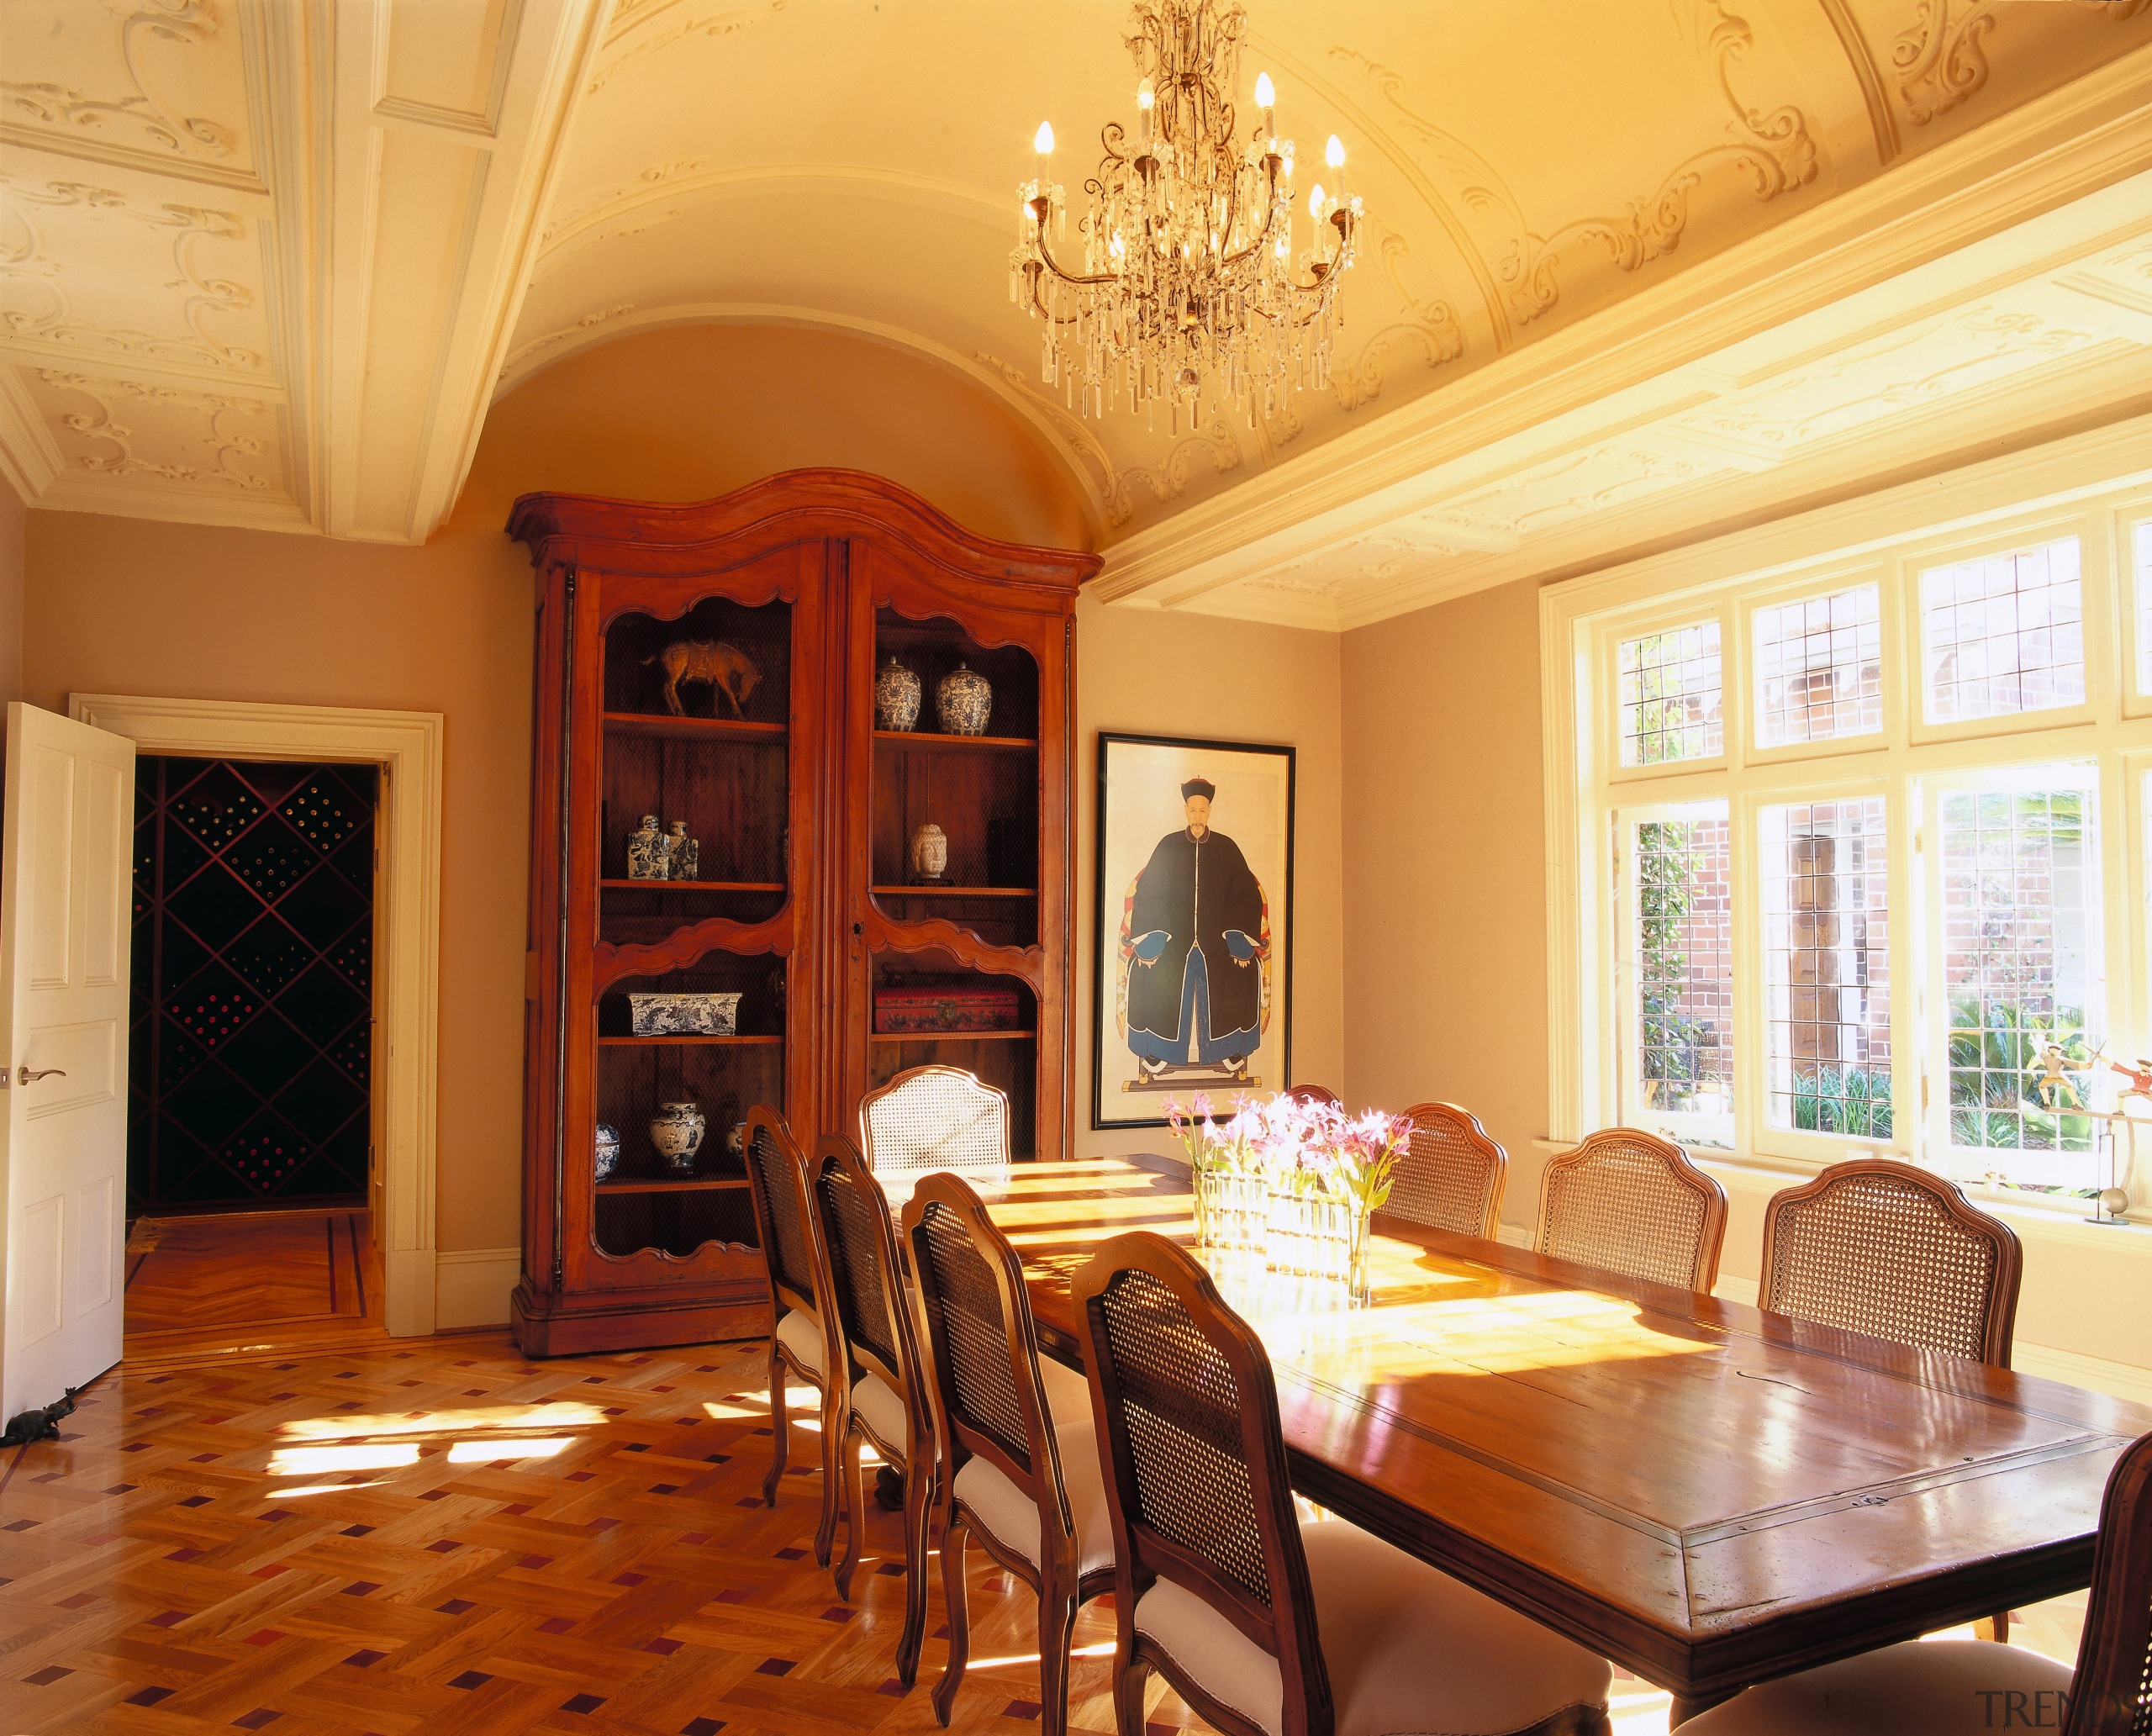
(1706, 1494)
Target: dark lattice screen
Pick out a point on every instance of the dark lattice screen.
(252, 1026)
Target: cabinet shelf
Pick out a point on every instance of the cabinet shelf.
(651, 1042)
(952, 1036)
(941, 891)
(982, 744)
(663, 723)
(692, 885)
(675, 1185)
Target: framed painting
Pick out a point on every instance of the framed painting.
(1192, 980)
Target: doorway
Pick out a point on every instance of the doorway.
(252, 1070)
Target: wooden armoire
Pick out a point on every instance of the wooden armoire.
(804, 901)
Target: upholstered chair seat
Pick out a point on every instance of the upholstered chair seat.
(1010, 1515)
(801, 1334)
(1922, 1688)
(880, 1409)
(1409, 1648)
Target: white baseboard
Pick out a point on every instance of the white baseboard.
(472, 1286)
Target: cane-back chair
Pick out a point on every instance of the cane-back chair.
(1264, 1624)
(803, 1322)
(1308, 1096)
(1633, 1203)
(1450, 1174)
(934, 1117)
(887, 1404)
(1928, 1688)
(1028, 1489)
(1879, 1247)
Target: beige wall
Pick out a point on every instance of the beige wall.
(1150, 673)
(124, 606)
(1445, 869)
(15, 531)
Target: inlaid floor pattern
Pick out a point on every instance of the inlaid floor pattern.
(440, 1537)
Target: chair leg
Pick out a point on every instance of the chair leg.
(959, 1616)
(918, 1496)
(850, 1487)
(1130, 1679)
(1056, 1631)
(1994, 1628)
(836, 1423)
(780, 1427)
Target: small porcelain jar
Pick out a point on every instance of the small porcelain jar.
(896, 697)
(964, 698)
(683, 855)
(929, 853)
(676, 1130)
(647, 855)
(607, 1150)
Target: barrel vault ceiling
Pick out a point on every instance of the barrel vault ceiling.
(1633, 269)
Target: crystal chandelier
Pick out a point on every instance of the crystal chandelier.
(1187, 275)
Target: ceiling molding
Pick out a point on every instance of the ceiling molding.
(625, 207)
(2066, 147)
(1064, 434)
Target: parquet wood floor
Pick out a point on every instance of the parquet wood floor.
(435, 1536)
(252, 1283)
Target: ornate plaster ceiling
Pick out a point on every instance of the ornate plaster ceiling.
(1634, 266)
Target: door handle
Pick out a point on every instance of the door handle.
(25, 1076)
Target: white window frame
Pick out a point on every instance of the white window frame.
(1730, 692)
(1687, 1125)
(2095, 486)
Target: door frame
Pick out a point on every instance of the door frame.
(406, 746)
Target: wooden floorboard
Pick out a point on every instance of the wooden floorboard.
(295, 1544)
(253, 1282)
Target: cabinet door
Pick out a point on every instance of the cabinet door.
(700, 693)
(957, 858)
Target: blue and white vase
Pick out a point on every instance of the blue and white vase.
(608, 1150)
(896, 697)
(648, 856)
(964, 697)
(676, 1131)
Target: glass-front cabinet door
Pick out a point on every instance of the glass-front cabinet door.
(958, 807)
(689, 1000)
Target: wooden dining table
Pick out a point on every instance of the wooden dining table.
(1706, 1494)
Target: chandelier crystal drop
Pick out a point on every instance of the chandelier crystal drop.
(1184, 278)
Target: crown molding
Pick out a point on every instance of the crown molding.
(2070, 144)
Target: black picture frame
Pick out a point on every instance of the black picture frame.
(1136, 775)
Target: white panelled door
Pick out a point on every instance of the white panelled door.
(66, 898)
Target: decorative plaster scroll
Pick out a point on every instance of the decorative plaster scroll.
(227, 446)
(1169, 480)
(1939, 60)
(632, 17)
(1772, 148)
(186, 21)
(1430, 325)
(202, 295)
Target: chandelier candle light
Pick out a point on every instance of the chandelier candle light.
(1188, 272)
